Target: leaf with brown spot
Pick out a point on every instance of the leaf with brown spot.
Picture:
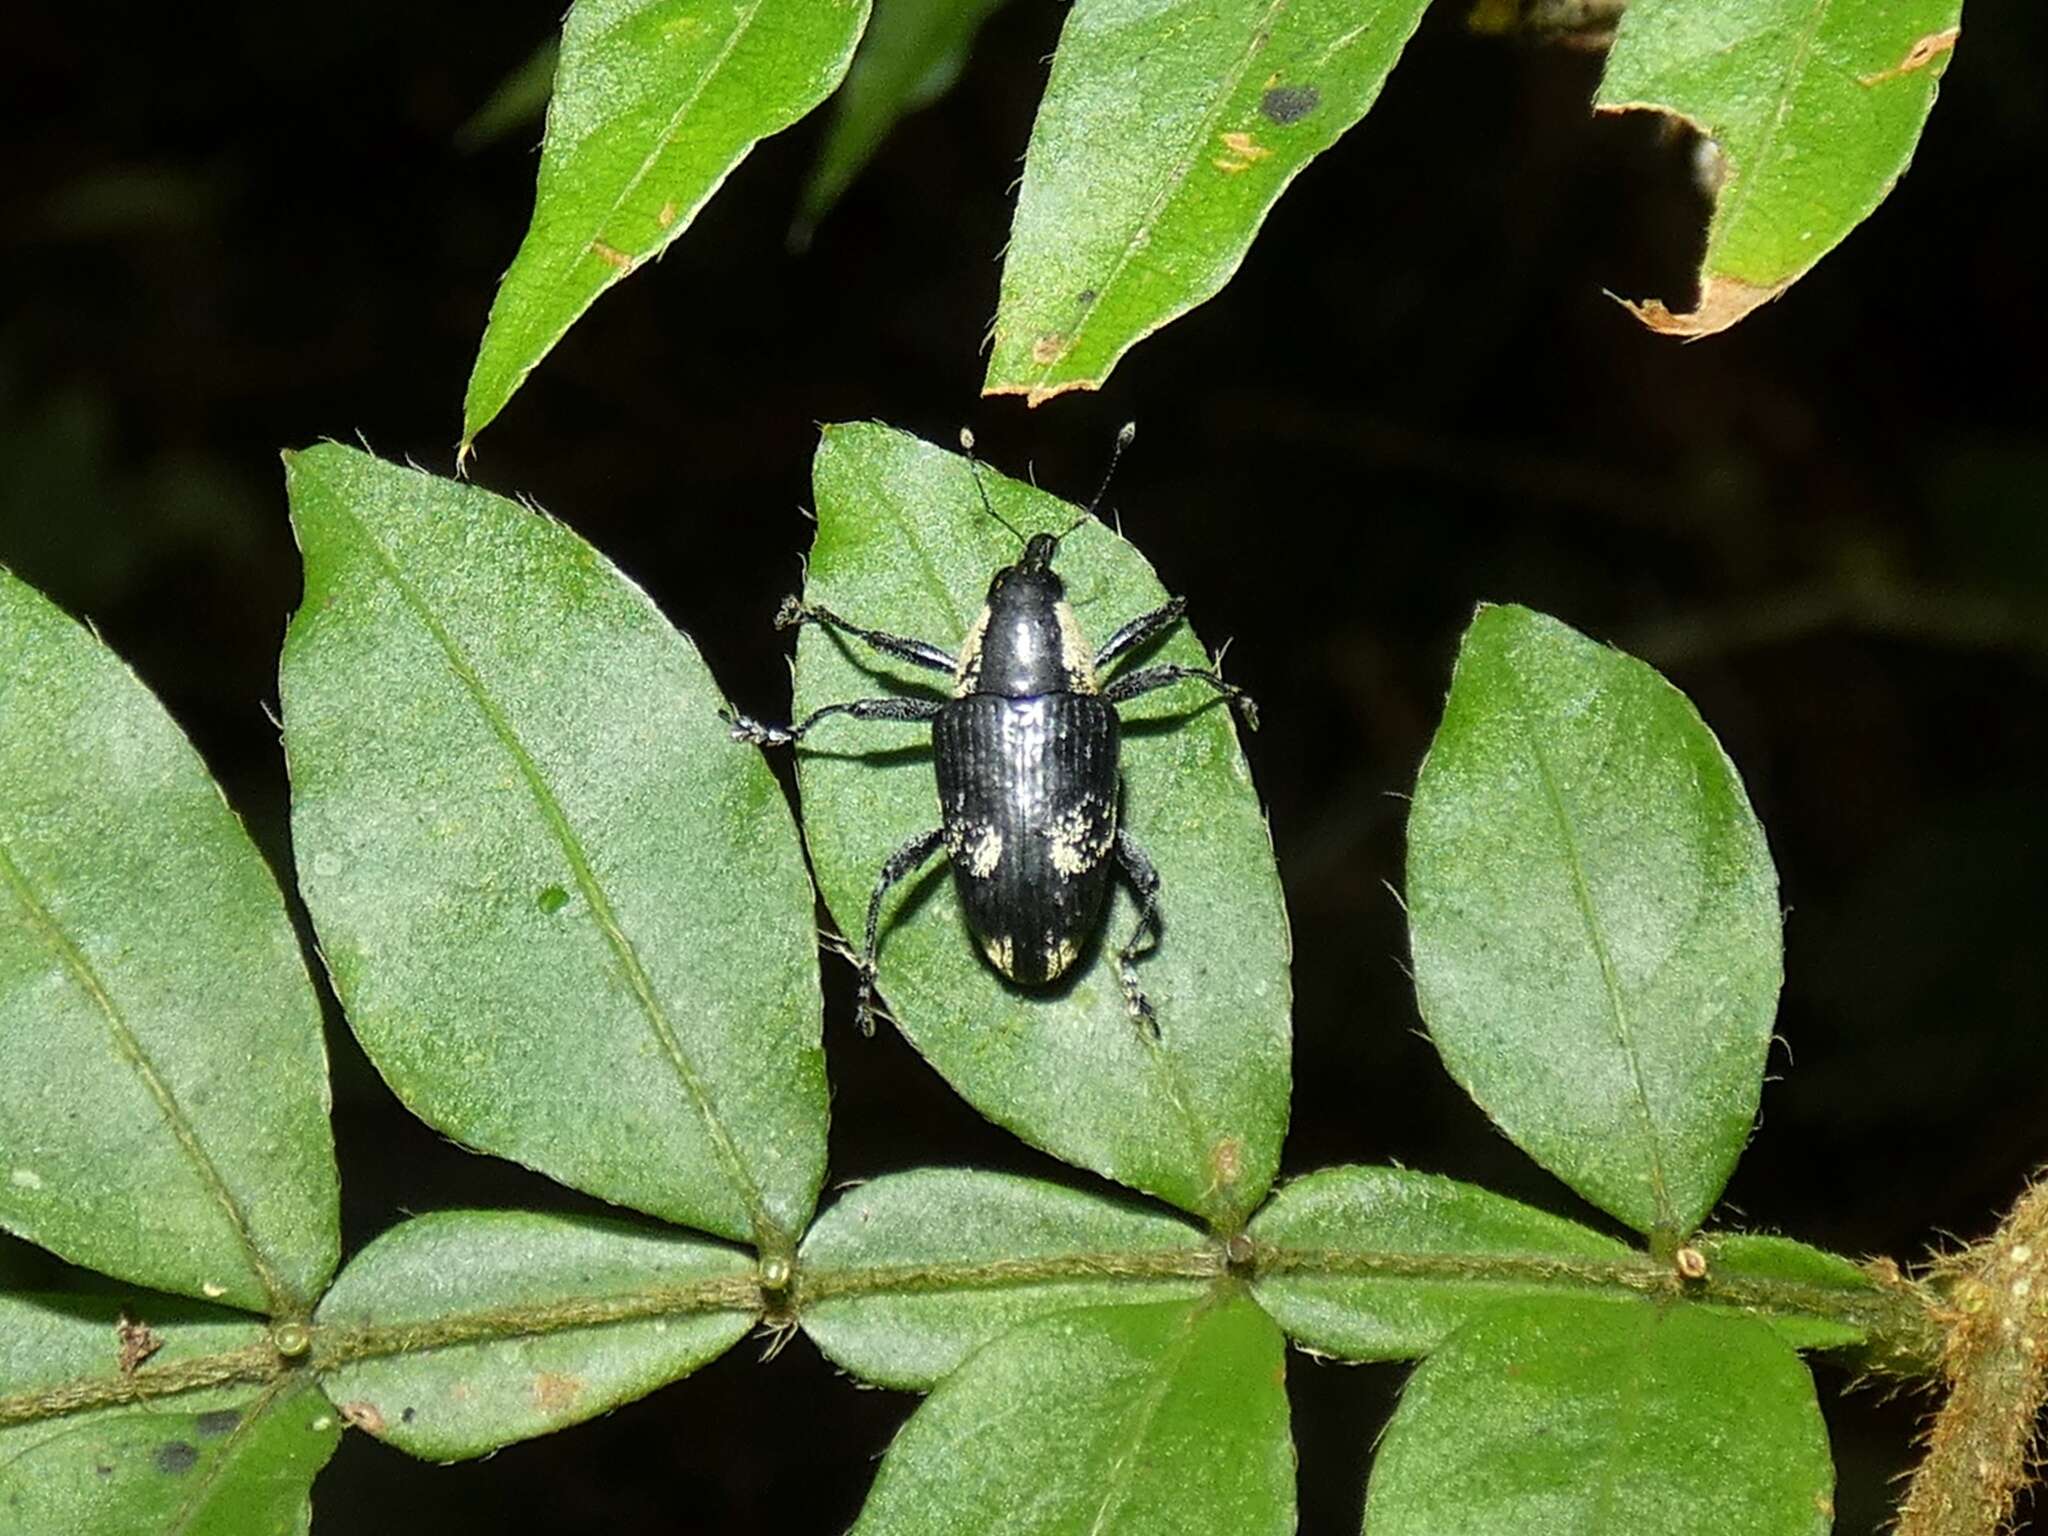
(230, 1461)
(655, 102)
(1814, 108)
(572, 1317)
(555, 1393)
(1125, 195)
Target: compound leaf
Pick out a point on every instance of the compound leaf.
(567, 915)
(655, 102)
(967, 1252)
(1594, 917)
(1605, 1418)
(1194, 1116)
(570, 1318)
(163, 1082)
(1811, 110)
(1383, 1264)
(1166, 134)
(1110, 1421)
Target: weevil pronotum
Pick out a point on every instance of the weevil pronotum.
(1026, 753)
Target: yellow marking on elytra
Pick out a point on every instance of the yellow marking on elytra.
(984, 853)
(1078, 841)
(1077, 661)
(1002, 954)
(967, 675)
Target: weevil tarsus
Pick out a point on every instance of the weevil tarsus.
(900, 865)
(1144, 879)
(1146, 679)
(747, 728)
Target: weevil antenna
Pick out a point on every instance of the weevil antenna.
(1123, 441)
(974, 468)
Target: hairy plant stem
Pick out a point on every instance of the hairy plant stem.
(1895, 1315)
(1980, 1446)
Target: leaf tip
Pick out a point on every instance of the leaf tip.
(1723, 301)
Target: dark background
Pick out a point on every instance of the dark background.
(226, 230)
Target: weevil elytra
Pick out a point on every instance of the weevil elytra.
(1026, 754)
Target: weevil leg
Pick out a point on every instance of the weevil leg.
(1145, 679)
(1144, 880)
(1139, 630)
(747, 728)
(796, 612)
(902, 863)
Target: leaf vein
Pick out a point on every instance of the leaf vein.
(1141, 234)
(767, 1232)
(1582, 894)
(130, 1049)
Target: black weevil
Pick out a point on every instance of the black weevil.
(1026, 754)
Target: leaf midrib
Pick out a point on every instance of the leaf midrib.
(767, 1232)
(128, 1046)
(1582, 895)
(1795, 72)
(195, 1502)
(1166, 1370)
(1177, 175)
(743, 20)
(1171, 1075)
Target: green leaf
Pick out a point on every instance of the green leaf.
(971, 1255)
(235, 1461)
(1166, 134)
(521, 97)
(1594, 917)
(566, 1318)
(1194, 1116)
(1755, 1256)
(163, 1105)
(1811, 110)
(568, 917)
(912, 54)
(1110, 1421)
(655, 102)
(1383, 1264)
(230, 1460)
(1605, 1419)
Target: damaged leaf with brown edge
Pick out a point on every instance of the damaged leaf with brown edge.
(1812, 109)
(1165, 137)
(1194, 1115)
(655, 102)
(553, 1320)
